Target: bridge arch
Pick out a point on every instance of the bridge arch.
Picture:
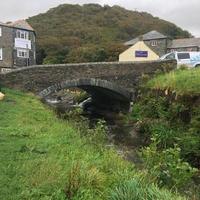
(125, 74)
(103, 92)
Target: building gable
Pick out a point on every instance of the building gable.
(138, 52)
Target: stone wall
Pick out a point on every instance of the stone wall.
(124, 74)
(6, 43)
(161, 47)
(10, 59)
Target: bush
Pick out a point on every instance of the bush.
(183, 67)
(167, 166)
(168, 67)
(171, 122)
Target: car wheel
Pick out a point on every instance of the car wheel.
(197, 66)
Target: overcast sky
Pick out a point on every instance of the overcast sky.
(184, 13)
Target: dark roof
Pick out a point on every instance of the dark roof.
(187, 42)
(132, 42)
(152, 35)
(21, 24)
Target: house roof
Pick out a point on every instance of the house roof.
(153, 35)
(187, 42)
(22, 24)
(148, 36)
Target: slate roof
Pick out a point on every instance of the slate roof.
(187, 42)
(22, 24)
(152, 35)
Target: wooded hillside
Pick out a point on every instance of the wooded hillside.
(74, 33)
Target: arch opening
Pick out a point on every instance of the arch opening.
(104, 94)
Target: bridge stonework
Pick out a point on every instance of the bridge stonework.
(124, 74)
(111, 85)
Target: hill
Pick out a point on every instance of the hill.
(74, 33)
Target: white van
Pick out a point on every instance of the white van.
(191, 59)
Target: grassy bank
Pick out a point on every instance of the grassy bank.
(43, 157)
(167, 114)
(183, 82)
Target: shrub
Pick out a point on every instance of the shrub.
(183, 67)
(167, 166)
(168, 67)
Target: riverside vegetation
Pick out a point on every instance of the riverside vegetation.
(167, 114)
(45, 157)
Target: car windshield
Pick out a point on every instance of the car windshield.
(170, 56)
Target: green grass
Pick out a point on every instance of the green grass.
(134, 189)
(43, 157)
(183, 82)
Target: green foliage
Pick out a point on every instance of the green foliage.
(43, 157)
(153, 107)
(170, 127)
(170, 122)
(166, 165)
(181, 82)
(135, 190)
(191, 141)
(80, 177)
(81, 96)
(168, 68)
(92, 32)
(183, 67)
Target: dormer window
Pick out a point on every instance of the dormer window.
(22, 34)
(154, 43)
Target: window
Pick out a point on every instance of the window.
(0, 31)
(154, 43)
(22, 53)
(1, 54)
(22, 34)
(183, 56)
(170, 56)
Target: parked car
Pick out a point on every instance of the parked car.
(191, 59)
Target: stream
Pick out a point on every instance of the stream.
(122, 135)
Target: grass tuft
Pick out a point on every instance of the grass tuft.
(182, 82)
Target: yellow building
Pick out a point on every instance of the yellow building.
(138, 52)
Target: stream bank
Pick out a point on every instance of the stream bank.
(169, 125)
(121, 133)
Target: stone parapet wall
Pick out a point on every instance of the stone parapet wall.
(124, 74)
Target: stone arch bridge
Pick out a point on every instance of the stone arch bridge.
(111, 84)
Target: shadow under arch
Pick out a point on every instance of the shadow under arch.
(103, 93)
